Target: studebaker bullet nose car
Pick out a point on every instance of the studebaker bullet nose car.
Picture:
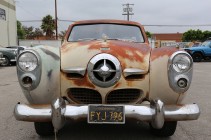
(105, 72)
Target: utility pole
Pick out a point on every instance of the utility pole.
(56, 19)
(127, 10)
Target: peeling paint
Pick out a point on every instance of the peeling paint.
(53, 55)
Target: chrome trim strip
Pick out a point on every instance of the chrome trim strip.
(12, 60)
(77, 70)
(133, 71)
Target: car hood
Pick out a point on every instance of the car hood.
(196, 48)
(6, 50)
(130, 55)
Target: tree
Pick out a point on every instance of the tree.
(29, 32)
(149, 35)
(206, 34)
(20, 31)
(195, 35)
(38, 32)
(48, 26)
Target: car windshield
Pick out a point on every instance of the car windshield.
(206, 43)
(106, 31)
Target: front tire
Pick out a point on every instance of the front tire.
(6, 61)
(167, 130)
(197, 57)
(44, 128)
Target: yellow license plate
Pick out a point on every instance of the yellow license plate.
(113, 114)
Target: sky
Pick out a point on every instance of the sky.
(146, 12)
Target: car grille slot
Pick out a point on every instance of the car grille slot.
(84, 96)
(123, 96)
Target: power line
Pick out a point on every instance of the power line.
(67, 20)
(149, 25)
(179, 25)
(27, 11)
(30, 20)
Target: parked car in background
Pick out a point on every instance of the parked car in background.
(105, 72)
(1, 58)
(200, 52)
(9, 56)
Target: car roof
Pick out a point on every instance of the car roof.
(114, 21)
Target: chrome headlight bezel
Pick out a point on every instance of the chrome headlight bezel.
(181, 62)
(36, 57)
(175, 73)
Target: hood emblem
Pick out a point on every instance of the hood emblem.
(104, 70)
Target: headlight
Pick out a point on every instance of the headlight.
(180, 69)
(27, 61)
(181, 63)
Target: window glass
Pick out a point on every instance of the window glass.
(110, 31)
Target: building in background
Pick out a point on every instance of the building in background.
(167, 39)
(8, 23)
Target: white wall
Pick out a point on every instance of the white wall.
(8, 27)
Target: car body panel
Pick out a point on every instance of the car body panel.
(159, 72)
(131, 55)
(49, 85)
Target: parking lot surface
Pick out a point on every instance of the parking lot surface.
(199, 92)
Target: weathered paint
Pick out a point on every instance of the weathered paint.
(159, 85)
(130, 55)
(49, 86)
(163, 51)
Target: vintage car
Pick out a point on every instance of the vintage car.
(201, 52)
(105, 72)
(9, 56)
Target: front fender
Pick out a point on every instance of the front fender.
(159, 83)
(48, 87)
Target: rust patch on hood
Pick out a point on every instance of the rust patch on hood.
(79, 81)
(130, 55)
(132, 51)
(163, 51)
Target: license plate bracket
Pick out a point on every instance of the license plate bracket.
(110, 114)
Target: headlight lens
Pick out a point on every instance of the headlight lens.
(28, 61)
(181, 63)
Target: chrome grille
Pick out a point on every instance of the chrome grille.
(123, 96)
(84, 96)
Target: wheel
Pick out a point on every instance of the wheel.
(44, 128)
(168, 129)
(197, 57)
(6, 61)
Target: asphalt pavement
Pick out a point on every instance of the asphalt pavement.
(199, 92)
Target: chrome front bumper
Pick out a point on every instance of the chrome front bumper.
(155, 112)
